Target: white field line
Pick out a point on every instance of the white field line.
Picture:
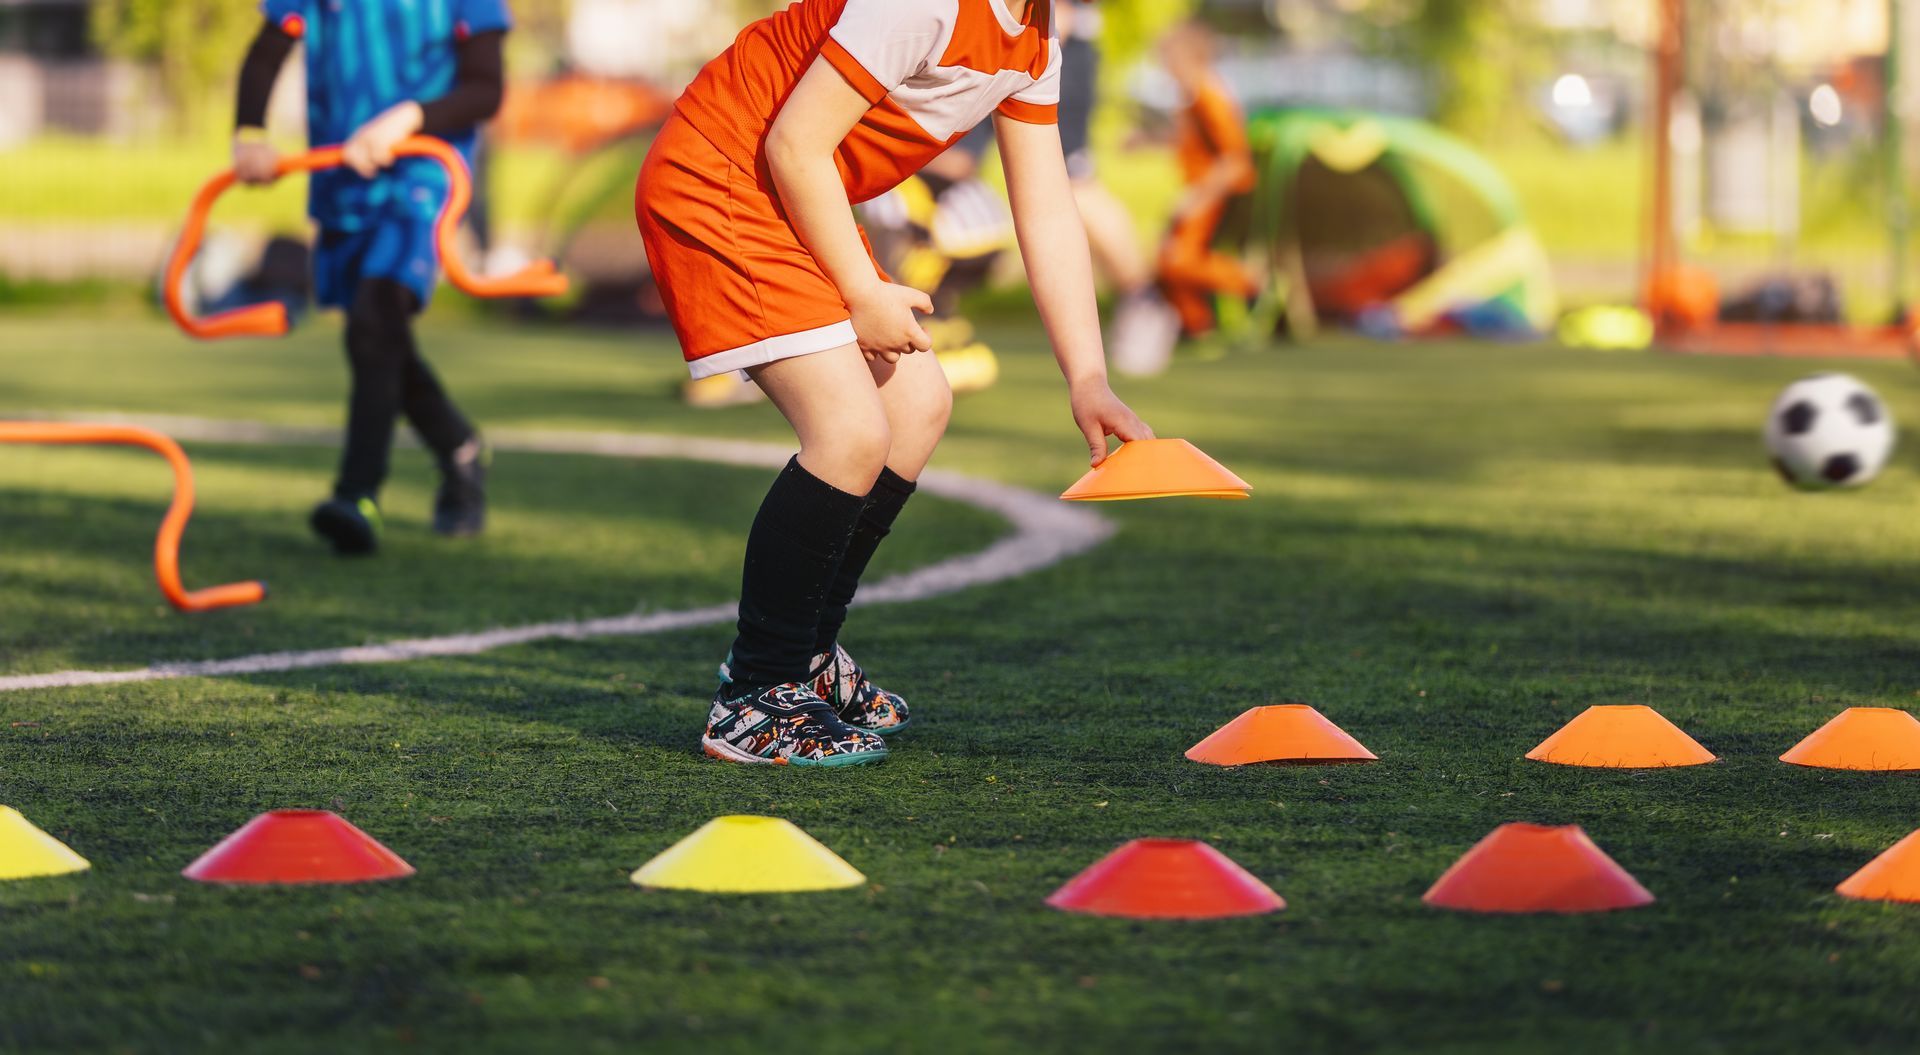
(1046, 531)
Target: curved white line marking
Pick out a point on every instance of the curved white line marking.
(1046, 532)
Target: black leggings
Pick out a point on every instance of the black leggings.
(390, 378)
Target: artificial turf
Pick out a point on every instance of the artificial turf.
(1451, 550)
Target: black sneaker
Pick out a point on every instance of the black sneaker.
(351, 524)
(860, 703)
(786, 725)
(460, 508)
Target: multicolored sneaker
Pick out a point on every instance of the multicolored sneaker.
(786, 725)
(860, 703)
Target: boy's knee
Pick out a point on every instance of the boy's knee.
(869, 444)
(857, 450)
(927, 407)
(939, 408)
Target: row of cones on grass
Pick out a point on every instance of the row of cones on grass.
(1518, 868)
(1610, 736)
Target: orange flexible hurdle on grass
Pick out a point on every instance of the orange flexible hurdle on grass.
(166, 547)
(539, 279)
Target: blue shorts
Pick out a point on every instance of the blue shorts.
(401, 249)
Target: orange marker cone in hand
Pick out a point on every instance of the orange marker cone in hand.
(1161, 468)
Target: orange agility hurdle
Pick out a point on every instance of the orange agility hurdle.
(539, 279)
(166, 547)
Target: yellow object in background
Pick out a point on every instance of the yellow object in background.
(26, 852)
(748, 855)
(1612, 329)
(721, 390)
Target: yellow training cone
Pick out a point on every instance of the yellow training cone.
(26, 852)
(748, 855)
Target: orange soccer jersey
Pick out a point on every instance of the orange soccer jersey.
(739, 286)
(1192, 272)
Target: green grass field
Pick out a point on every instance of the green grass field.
(1451, 551)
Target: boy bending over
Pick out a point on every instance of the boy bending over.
(745, 205)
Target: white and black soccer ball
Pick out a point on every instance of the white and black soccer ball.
(1829, 430)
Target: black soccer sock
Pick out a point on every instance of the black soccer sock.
(438, 423)
(889, 496)
(796, 547)
(389, 377)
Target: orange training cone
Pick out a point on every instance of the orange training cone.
(1536, 868)
(1874, 738)
(1282, 732)
(1892, 876)
(298, 846)
(1166, 879)
(1621, 736)
(1157, 469)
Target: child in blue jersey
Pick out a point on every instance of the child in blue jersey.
(379, 71)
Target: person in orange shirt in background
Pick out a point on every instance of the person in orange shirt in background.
(1217, 165)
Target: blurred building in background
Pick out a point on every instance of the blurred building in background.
(52, 77)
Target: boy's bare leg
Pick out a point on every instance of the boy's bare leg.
(836, 412)
(918, 403)
(766, 709)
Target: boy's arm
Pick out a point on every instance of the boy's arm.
(254, 161)
(1054, 245)
(479, 85)
(800, 147)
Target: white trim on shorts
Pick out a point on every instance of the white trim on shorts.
(774, 349)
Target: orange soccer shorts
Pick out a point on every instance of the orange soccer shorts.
(740, 288)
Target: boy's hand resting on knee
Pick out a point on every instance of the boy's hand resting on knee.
(370, 149)
(1100, 414)
(884, 323)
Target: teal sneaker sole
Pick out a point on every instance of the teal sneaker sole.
(864, 758)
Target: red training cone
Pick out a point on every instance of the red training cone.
(1166, 879)
(1536, 868)
(1293, 733)
(298, 846)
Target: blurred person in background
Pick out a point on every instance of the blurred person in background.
(379, 71)
(1217, 166)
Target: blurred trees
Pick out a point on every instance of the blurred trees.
(193, 45)
(1476, 52)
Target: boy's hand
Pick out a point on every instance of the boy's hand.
(1100, 414)
(370, 149)
(255, 163)
(883, 321)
